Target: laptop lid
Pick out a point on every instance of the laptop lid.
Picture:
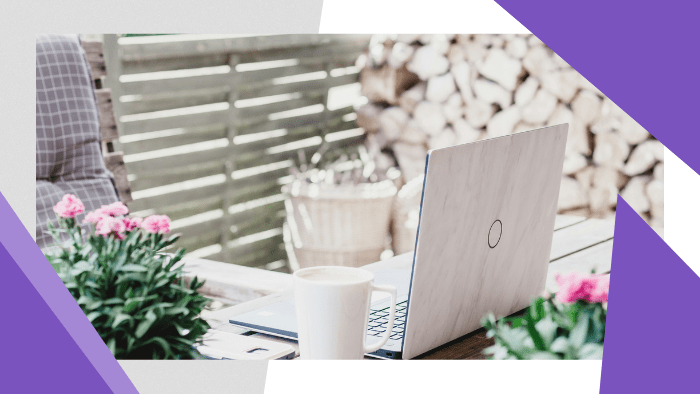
(484, 235)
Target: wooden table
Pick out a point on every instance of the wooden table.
(579, 244)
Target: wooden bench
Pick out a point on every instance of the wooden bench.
(108, 123)
(579, 244)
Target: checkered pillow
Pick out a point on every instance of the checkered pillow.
(68, 147)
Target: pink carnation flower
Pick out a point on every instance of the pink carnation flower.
(115, 209)
(94, 217)
(155, 224)
(132, 223)
(69, 207)
(110, 226)
(574, 287)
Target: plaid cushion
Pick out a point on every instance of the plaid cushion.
(68, 147)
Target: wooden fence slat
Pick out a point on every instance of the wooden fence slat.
(260, 125)
(206, 46)
(253, 91)
(174, 100)
(189, 136)
(172, 122)
(266, 109)
(108, 123)
(115, 164)
(173, 161)
(95, 56)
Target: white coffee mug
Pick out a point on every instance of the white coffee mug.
(332, 306)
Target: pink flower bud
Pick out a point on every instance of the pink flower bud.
(69, 207)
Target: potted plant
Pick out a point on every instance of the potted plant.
(132, 293)
(569, 326)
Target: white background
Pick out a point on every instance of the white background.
(22, 20)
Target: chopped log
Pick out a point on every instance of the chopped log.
(386, 84)
(585, 177)
(659, 172)
(635, 195)
(643, 157)
(538, 61)
(503, 122)
(561, 83)
(559, 61)
(501, 68)
(526, 91)
(368, 117)
(377, 141)
(632, 131)
(427, 61)
(429, 117)
(464, 132)
(411, 159)
(524, 126)
(476, 52)
(440, 88)
(577, 140)
(586, 106)
(400, 54)
(478, 113)
(410, 98)
(517, 47)
(655, 193)
(408, 38)
(462, 74)
(392, 121)
(540, 108)
(456, 54)
(605, 185)
(571, 195)
(533, 41)
(443, 139)
(491, 92)
(413, 134)
(611, 150)
(453, 108)
(574, 162)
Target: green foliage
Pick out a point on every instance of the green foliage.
(132, 293)
(549, 330)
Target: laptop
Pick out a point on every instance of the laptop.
(484, 238)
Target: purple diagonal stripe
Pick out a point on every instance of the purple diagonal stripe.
(650, 340)
(29, 258)
(36, 342)
(642, 55)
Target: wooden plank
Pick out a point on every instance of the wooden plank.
(581, 236)
(133, 50)
(174, 63)
(168, 176)
(176, 121)
(252, 91)
(115, 164)
(597, 258)
(266, 109)
(173, 100)
(95, 56)
(187, 137)
(108, 124)
(260, 125)
(169, 162)
(234, 283)
(179, 197)
(566, 220)
(174, 85)
(258, 253)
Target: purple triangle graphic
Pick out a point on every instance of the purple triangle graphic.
(637, 53)
(41, 357)
(41, 279)
(650, 340)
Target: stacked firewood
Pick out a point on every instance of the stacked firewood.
(432, 91)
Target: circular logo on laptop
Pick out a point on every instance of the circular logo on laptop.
(495, 233)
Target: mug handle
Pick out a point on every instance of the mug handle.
(392, 291)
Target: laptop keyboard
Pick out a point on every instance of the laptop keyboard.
(379, 319)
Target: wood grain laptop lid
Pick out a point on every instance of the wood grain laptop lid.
(485, 233)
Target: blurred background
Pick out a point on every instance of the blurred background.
(284, 151)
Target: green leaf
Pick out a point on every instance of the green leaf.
(591, 351)
(132, 268)
(120, 319)
(578, 334)
(560, 345)
(93, 315)
(143, 327)
(547, 330)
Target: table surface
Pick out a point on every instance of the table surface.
(579, 244)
